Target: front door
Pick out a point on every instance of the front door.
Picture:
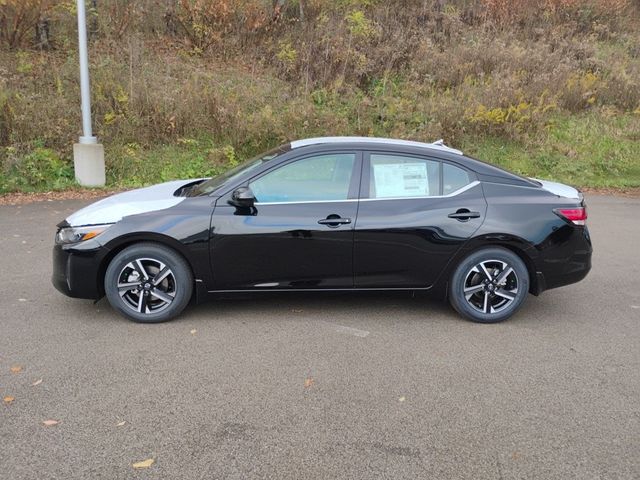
(414, 215)
(299, 235)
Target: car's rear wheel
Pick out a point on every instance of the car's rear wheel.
(148, 283)
(489, 285)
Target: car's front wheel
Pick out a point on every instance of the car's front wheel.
(148, 283)
(489, 285)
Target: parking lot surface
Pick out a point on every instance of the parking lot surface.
(306, 386)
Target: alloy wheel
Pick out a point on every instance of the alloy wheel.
(147, 285)
(491, 286)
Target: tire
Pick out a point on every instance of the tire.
(148, 283)
(489, 285)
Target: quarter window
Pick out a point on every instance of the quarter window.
(393, 176)
(320, 178)
(453, 178)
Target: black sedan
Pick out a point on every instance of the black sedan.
(327, 214)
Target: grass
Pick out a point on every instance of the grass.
(552, 94)
(593, 150)
(589, 150)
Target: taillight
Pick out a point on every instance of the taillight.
(578, 216)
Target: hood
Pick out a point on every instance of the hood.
(116, 207)
(559, 189)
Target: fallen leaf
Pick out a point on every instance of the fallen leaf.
(16, 369)
(144, 464)
(8, 399)
(121, 424)
(50, 423)
(308, 382)
(22, 299)
(401, 399)
(193, 332)
(36, 383)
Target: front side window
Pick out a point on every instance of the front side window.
(395, 176)
(319, 178)
(208, 186)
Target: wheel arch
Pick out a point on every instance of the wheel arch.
(521, 247)
(125, 241)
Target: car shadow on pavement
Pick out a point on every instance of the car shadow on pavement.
(325, 306)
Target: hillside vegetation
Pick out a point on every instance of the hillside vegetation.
(187, 88)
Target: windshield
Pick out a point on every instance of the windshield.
(206, 187)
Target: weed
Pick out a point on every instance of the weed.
(192, 87)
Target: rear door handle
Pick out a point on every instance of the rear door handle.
(334, 221)
(464, 214)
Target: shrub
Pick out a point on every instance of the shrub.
(19, 19)
(40, 169)
(238, 77)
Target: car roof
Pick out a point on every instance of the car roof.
(437, 145)
(438, 149)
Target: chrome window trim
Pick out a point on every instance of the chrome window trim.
(307, 201)
(452, 194)
(438, 145)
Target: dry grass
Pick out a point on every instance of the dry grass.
(193, 86)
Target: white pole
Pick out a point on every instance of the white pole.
(88, 154)
(85, 88)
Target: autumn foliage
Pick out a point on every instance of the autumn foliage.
(204, 23)
(225, 79)
(19, 19)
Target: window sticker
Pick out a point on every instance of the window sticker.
(401, 180)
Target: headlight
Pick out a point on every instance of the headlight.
(79, 234)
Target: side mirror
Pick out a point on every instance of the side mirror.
(242, 197)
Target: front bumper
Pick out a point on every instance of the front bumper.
(77, 270)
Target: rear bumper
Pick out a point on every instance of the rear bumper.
(76, 272)
(565, 259)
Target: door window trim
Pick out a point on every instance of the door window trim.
(469, 186)
(348, 200)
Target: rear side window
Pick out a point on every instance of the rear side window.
(453, 178)
(395, 176)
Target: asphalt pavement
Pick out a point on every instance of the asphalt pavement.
(301, 386)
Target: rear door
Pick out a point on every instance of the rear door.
(300, 233)
(414, 214)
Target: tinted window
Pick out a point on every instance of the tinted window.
(321, 178)
(453, 178)
(394, 176)
(231, 175)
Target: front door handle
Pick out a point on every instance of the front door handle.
(334, 221)
(464, 214)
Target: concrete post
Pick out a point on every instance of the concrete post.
(88, 155)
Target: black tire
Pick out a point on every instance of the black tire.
(478, 291)
(157, 283)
